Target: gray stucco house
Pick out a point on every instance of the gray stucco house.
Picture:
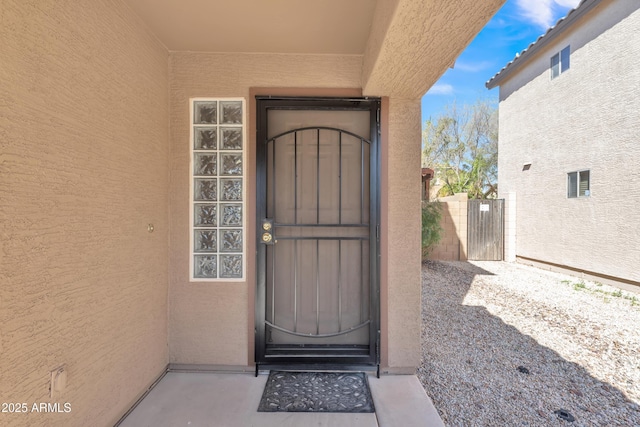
(568, 144)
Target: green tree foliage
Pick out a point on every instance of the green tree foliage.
(431, 228)
(461, 145)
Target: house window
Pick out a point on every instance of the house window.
(560, 62)
(578, 184)
(217, 224)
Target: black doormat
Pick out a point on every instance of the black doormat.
(316, 392)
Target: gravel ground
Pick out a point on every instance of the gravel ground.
(510, 345)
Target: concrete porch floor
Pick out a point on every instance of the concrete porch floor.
(231, 400)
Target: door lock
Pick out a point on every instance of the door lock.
(267, 232)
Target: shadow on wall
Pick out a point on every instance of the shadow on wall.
(453, 245)
(471, 362)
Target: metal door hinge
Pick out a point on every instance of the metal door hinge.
(378, 354)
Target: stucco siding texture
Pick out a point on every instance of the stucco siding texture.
(84, 168)
(403, 234)
(405, 64)
(587, 118)
(209, 320)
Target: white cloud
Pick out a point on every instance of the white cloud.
(440, 89)
(541, 12)
(568, 3)
(538, 11)
(472, 67)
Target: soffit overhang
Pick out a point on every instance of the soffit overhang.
(405, 45)
(406, 63)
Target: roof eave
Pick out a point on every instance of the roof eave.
(542, 41)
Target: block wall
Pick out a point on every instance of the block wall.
(453, 245)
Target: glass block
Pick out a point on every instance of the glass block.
(231, 164)
(205, 138)
(231, 138)
(231, 266)
(231, 112)
(205, 215)
(205, 189)
(230, 240)
(205, 164)
(205, 112)
(205, 266)
(205, 241)
(231, 189)
(231, 215)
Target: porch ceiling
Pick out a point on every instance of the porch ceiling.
(406, 45)
(274, 26)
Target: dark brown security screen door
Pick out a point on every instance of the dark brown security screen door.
(317, 212)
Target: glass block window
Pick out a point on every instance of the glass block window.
(217, 171)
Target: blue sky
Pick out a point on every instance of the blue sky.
(516, 25)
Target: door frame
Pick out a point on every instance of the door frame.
(338, 357)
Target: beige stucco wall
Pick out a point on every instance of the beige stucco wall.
(87, 98)
(209, 322)
(401, 225)
(84, 169)
(587, 118)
